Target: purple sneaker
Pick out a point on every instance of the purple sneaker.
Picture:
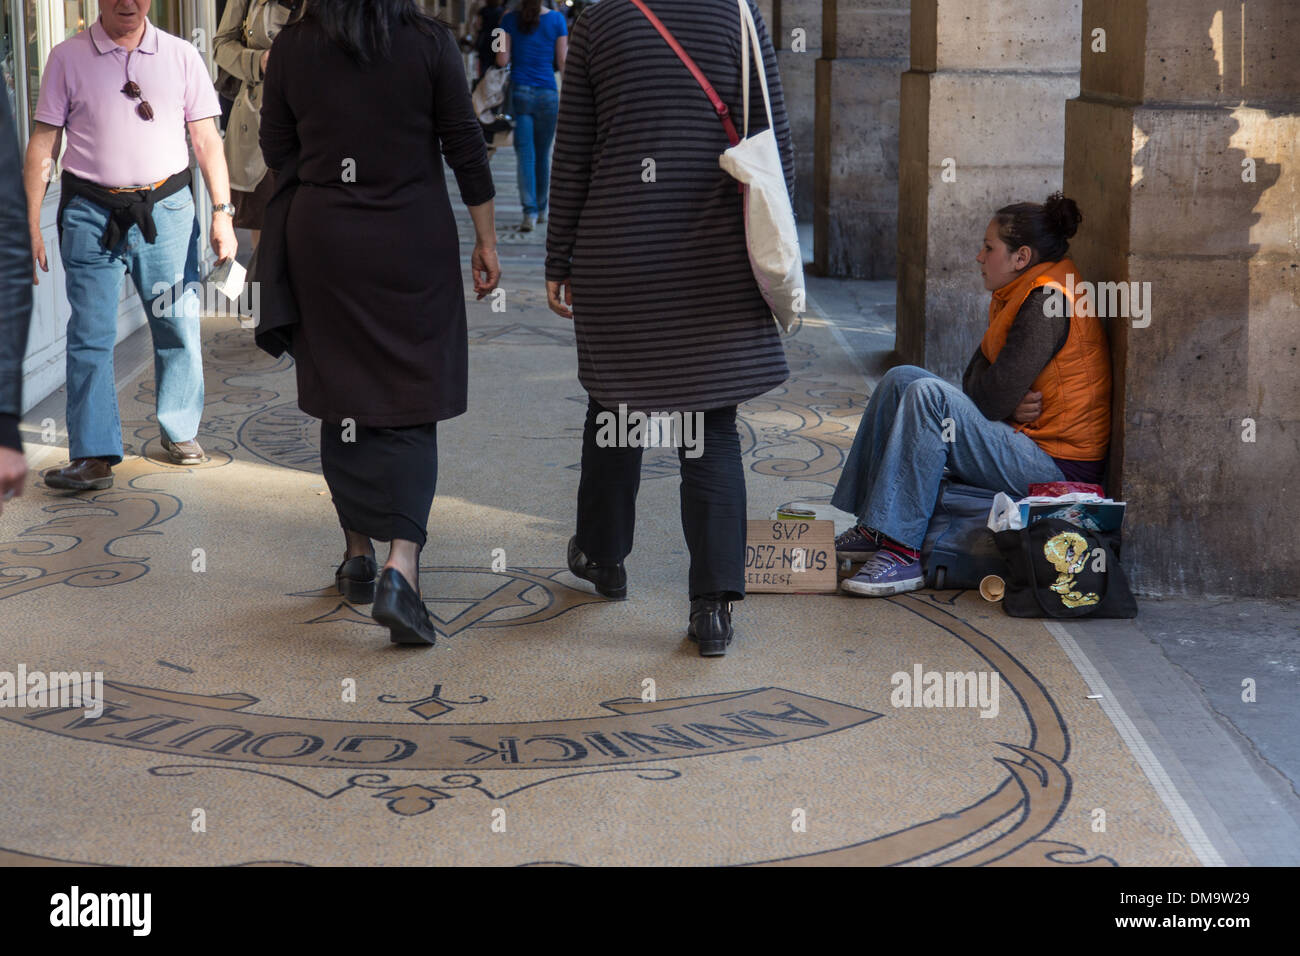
(885, 573)
(856, 544)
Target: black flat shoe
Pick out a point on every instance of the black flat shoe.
(711, 626)
(355, 579)
(400, 609)
(610, 579)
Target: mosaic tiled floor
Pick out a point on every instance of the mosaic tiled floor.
(256, 717)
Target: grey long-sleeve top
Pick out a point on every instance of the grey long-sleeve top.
(1034, 338)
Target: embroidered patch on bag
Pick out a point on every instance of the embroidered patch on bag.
(1068, 553)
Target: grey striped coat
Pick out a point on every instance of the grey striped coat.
(645, 224)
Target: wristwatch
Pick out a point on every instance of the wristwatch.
(225, 207)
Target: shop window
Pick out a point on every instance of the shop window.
(10, 73)
(33, 25)
(75, 18)
(166, 15)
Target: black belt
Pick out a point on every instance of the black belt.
(127, 208)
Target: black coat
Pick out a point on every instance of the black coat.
(369, 241)
(277, 308)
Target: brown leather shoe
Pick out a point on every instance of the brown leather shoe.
(83, 474)
(183, 452)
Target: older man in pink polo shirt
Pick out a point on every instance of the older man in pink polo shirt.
(124, 92)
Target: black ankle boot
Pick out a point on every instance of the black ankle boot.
(610, 579)
(400, 609)
(711, 625)
(355, 579)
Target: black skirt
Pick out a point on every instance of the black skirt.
(383, 479)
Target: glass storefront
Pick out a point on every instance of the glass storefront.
(29, 29)
(75, 17)
(33, 23)
(9, 42)
(166, 15)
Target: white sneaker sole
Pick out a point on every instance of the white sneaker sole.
(862, 589)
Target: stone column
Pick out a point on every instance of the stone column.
(1181, 150)
(983, 110)
(796, 29)
(855, 179)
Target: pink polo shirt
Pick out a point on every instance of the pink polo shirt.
(108, 142)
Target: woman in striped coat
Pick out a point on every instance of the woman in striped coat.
(646, 252)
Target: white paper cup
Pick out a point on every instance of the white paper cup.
(992, 588)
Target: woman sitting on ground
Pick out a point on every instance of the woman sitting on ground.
(1034, 405)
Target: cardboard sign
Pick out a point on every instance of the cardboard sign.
(790, 557)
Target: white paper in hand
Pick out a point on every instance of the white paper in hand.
(228, 277)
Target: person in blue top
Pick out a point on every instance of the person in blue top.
(536, 41)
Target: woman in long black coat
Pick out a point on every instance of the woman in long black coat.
(358, 99)
(647, 245)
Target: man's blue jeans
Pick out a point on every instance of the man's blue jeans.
(166, 275)
(535, 110)
(915, 425)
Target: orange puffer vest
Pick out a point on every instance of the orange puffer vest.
(1075, 423)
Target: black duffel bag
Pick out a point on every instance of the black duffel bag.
(1058, 569)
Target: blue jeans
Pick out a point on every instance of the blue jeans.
(916, 424)
(169, 265)
(535, 110)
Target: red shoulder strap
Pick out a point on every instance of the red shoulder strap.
(719, 107)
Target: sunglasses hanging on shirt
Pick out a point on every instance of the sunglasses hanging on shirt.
(132, 89)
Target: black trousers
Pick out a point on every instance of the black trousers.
(383, 480)
(713, 503)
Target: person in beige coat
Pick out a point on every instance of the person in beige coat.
(243, 48)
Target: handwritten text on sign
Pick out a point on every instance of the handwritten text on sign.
(790, 557)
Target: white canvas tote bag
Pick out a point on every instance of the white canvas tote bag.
(770, 229)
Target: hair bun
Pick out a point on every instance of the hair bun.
(1063, 213)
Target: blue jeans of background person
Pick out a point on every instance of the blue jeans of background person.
(891, 476)
(169, 264)
(535, 110)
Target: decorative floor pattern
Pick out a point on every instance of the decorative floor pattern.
(548, 725)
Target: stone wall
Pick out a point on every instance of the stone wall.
(983, 109)
(799, 81)
(1181, 149)
(855, 206)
